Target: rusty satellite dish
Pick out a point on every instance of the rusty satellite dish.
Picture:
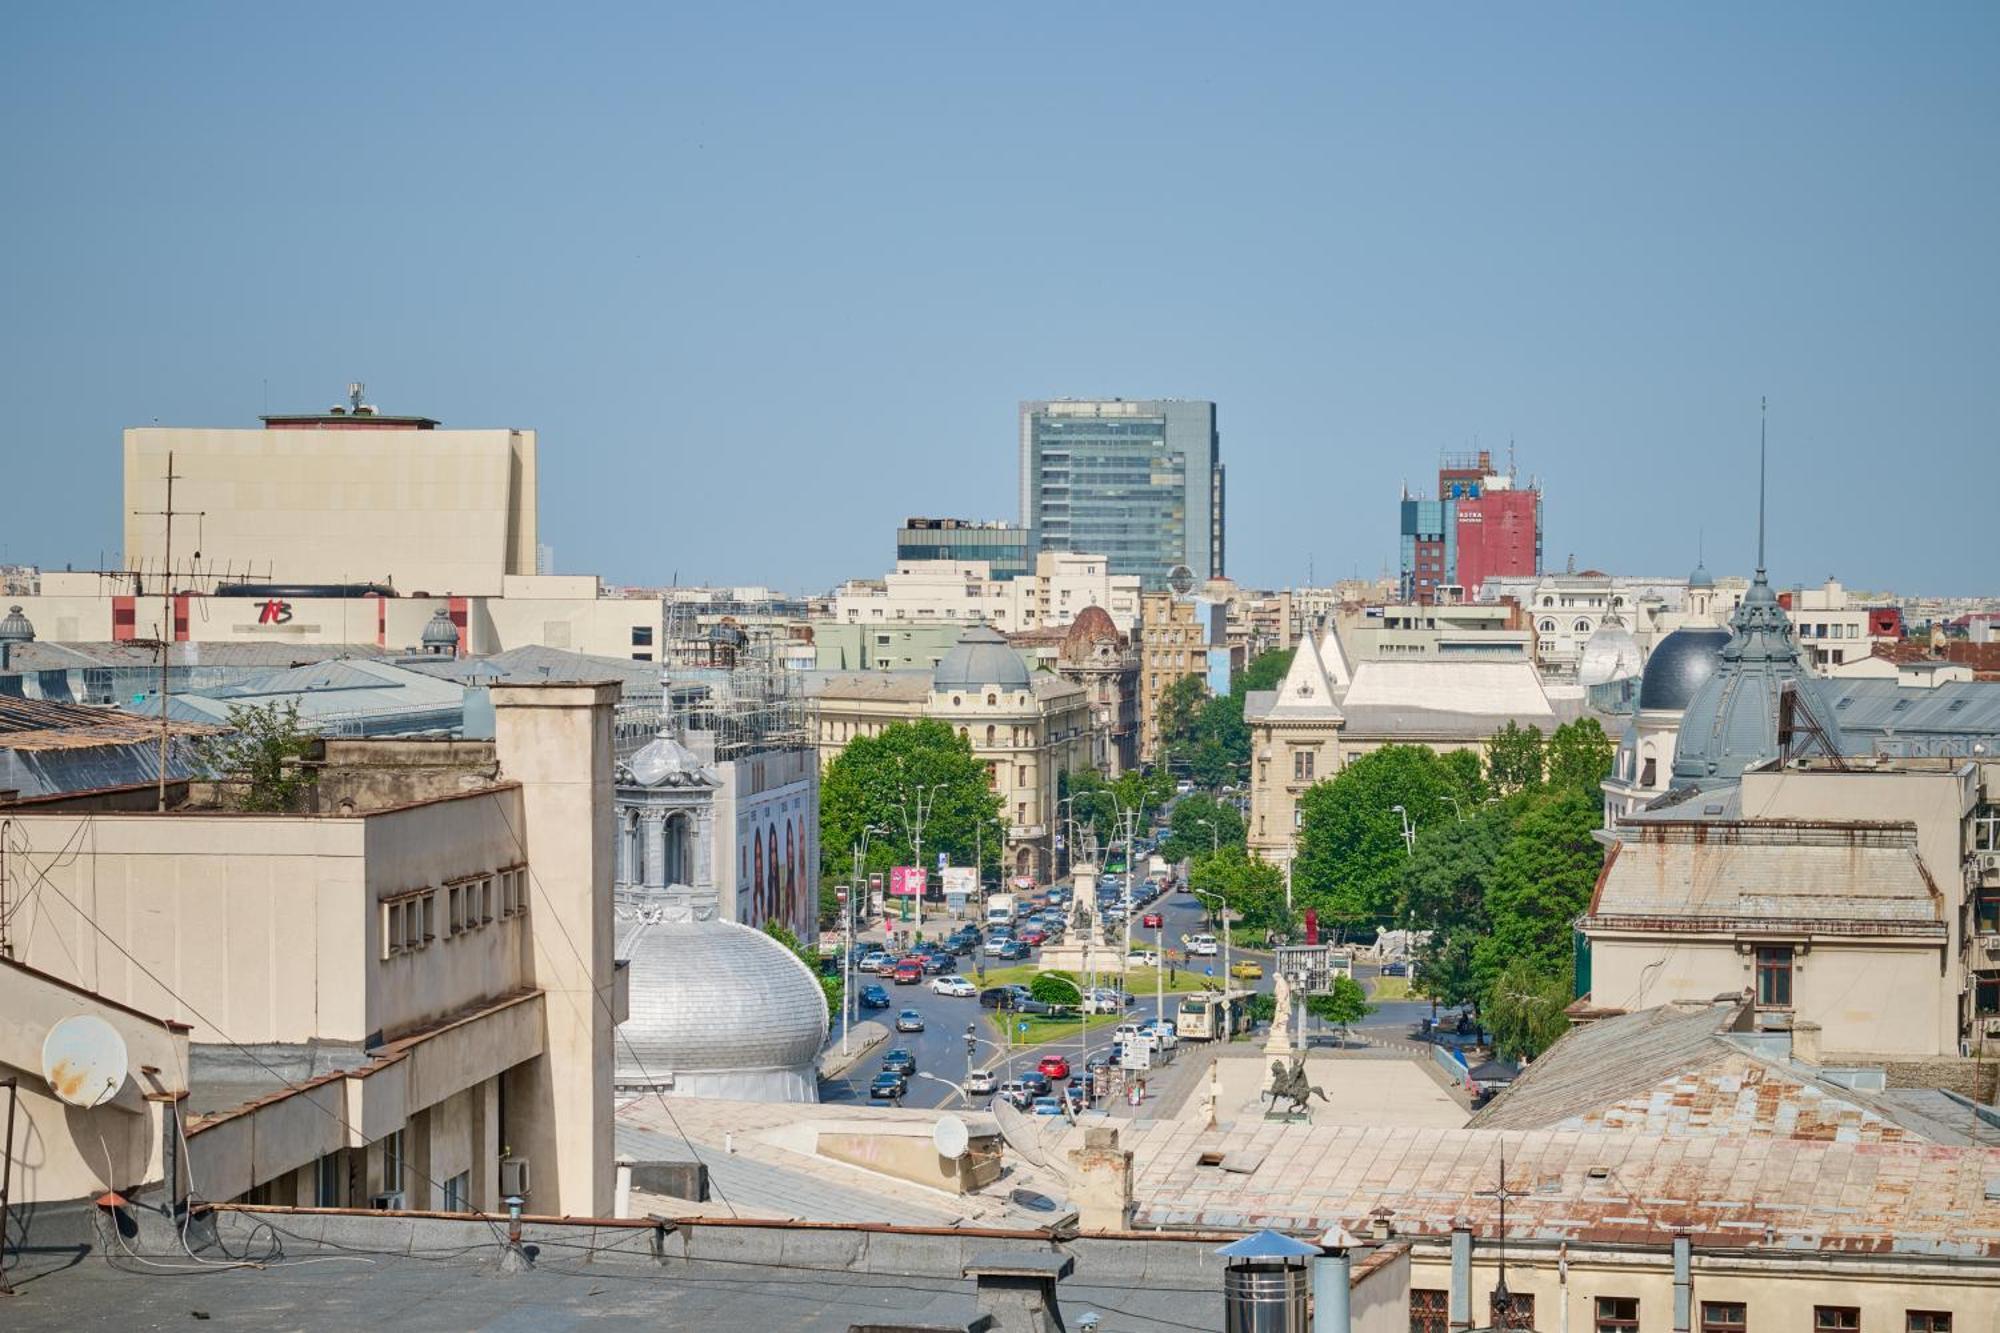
(84, 1060)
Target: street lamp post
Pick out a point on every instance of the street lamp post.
(915, 832)
(958, 1088)
(1409, 831)
(847, 957)
(1222, 905)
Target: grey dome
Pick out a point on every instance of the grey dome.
(1731, 722)
(665, 762)
(1610, 653)
(16, 628)
(719, 1010)
(981, 659)
(439, 632)
(1679, 665)
(1701, 578)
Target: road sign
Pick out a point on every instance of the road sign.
(1024, 1025)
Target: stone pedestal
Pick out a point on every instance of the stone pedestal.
(1279, 1045)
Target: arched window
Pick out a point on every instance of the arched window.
(1583, 627)
(992, 700)
(1548, 627)
(1548, 601)
(989, 733)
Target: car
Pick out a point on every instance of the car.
(981, 1083)
(1046, 1106)
(1016, 1092)
(1012, 951)
(1036, 1082)
(1033, 936)
(1000, 946)
(886, 966)
(1143, 958)
(900, 1061)
(955, 986)
(909, 972)
(997, 997)
(872, 960)
(1135, 1034)
(936, 962)
(888, 1084)
(1247, 969)
(1055, 1066)
(1152, 921)
(1097, 1060)
(1103, 1000)
(909, 1021)
(1201, 946)
(1162, 1031)
(1395, 969)
(1183, 788)
(1077, 1094)
(874, 997)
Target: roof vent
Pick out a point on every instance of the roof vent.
(1993, 1189)
(1598, 1173)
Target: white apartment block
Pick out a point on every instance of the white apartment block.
(965, 593)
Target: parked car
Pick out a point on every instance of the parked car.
(1143, 958)
(900, 1061)
(1055, 1066)
(955, 986)
(1103, 1000)
(1395, 969)
(1012, 951)
(888, 1084)
(1016, 1092)
(1046, 1106)
(909, 1021)
(909, 972)
(1152, 921)
(1247, 969)
(874, 997)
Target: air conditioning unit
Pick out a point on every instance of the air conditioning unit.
(1993, 1027)
(514, 1177)
(390, 1202)
(1989, 862)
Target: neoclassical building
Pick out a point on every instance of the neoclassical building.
(1026, 727)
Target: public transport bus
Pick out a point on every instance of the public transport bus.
(1212, 1015)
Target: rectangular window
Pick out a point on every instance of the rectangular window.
(1986, 994)
(485, 900)
(392, 1163)
(1617, 1314)
(642, 636)
(1302, 765)
(1836, 1319)
(458, 1193)
(392, 929)
(429, 902)
(1722, 1317)
(1430, 1310)
(327, 1180)
(413, 924)
(1927, 1321)
(1986, 828)
(1774, 976)
(455, 917)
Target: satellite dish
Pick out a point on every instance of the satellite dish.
(1181, 580)
(951, 1137)
(84, 1060)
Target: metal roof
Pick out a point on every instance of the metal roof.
(1875, 710)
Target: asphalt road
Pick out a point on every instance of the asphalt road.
(940, 1048)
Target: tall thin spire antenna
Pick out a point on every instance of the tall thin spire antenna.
(1763, 421)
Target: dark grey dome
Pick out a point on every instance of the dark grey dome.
(1679, 665)
(1731, 722)
(980, 660)
(439, 632)
(16, 627)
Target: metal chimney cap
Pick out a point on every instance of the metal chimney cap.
(1269, 1244)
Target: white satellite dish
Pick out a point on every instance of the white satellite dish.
(84, 1060)
(951, 1137)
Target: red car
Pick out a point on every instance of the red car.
(909, 972)
(1152, 921)
(1033, 936)
(1054, 1067)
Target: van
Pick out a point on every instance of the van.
(1201, 946)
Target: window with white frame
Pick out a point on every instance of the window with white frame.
(1986, 828)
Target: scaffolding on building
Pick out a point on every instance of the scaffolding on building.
(726, 689)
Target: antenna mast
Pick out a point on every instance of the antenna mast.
(1763, 420)
(165, 641)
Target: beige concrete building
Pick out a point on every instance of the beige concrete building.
(1173, 644)
(964, 592)
(1329, 710)
(346, 496)
(1025, 727)
(404, 999)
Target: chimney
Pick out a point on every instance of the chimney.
(1461, 1276)
(555, 741)
(1805, 1042)
(1683, 1284)
(1333, 1281)
(1017, 1291)
(1103, 1192)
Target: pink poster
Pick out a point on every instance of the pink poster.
(906, 881)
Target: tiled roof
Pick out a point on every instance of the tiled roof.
(1726, 1192)
(1673, 1072)
(1844, 878)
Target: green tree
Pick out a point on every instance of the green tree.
(1204, 736)
(1351, 849)
(1056, 988)
(1442, 890)
(1540, 883)
(873, 782)
(1345, 1005)
(1254, 890)
(1265, 672)
(1525, 1009)
(1514, 757)
(1097, 801)
(829, 982)
(1180, 709)
(1580, 754)
(1199, 826)
(257, 760)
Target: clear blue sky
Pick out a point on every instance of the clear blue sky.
(768, 279)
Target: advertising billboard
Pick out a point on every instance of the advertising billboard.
(960, 881)
(907, 881)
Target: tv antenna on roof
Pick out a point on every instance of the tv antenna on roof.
(355, 392)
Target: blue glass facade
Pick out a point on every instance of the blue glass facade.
(1004, 547)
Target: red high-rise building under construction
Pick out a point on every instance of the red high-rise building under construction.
(1481, 524)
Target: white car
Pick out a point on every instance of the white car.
(1162, 1032)
(1143, 958)
(1201, 946)
(981, 1082)
(955, 986)
(1135, 1034)
(1103, 1001)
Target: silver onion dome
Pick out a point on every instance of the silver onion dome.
(719, 1010)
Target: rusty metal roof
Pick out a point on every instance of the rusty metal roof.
(1727, 1192)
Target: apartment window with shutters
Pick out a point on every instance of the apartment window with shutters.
(1927, 1321)
(1836, 1319)
(1774, 976)
(1617, 1314)
(1723, 1317)
(1430, 1310)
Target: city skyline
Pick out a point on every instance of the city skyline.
(1604, 236)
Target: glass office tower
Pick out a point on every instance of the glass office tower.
(1003, 546)
(1136, 481)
